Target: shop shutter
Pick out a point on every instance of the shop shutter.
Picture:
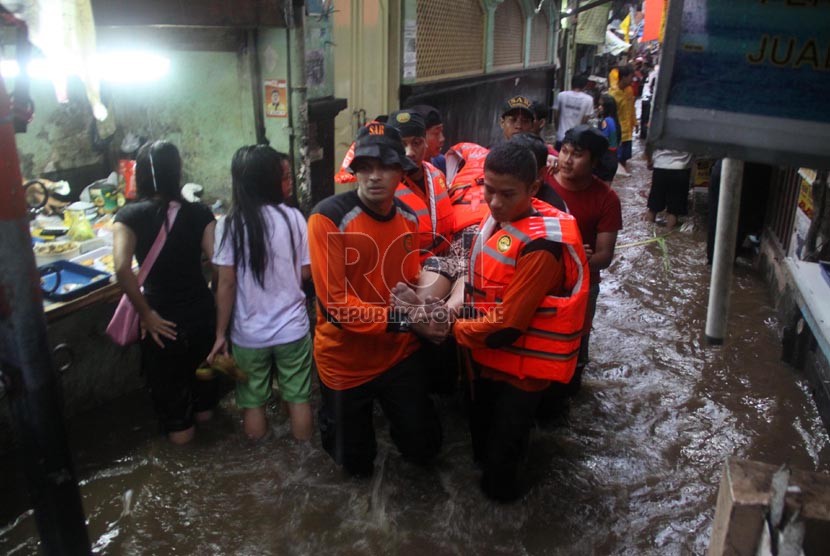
(539, 38)
(450, 38)
(508, 39)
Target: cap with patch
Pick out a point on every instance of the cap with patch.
(381, 141)
(518, 103)
(587, 137)
(408, 122)
(431, 115)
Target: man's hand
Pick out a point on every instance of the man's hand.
(552, 165)
(588, 251)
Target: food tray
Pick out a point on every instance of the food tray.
(65, 280)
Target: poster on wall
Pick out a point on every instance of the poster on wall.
(276, 98)
(746, 79)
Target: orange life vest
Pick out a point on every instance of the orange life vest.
(466, 184)
(435, 220)
(549, 347)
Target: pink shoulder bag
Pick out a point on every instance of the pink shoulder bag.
(123, 328)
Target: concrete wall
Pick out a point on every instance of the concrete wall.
(273, 60)
(205, 105)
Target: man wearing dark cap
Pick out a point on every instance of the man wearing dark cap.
(517, 116)
(424, 189)
(597, 210)
(362, 243)
(434, 134)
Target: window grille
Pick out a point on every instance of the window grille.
(539, 38)
(783, 203)
(449, 39)
(508, 39)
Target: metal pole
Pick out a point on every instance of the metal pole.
(298, 106)
(720, 285)
(27, 371)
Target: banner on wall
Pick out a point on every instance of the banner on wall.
(747, 80)
(276, 98)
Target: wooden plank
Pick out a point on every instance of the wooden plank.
(743, 500)
(57, 310)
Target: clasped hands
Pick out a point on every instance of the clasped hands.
(429, 317)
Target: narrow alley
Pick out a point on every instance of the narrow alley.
(636, 472)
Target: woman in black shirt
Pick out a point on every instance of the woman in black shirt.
(176, 308)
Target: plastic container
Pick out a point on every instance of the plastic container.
(51, 251)
(65, 280)
(100, 259)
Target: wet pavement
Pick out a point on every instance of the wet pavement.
(636, 472)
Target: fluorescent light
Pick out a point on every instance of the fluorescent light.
(9, 69)
(38, 69)
(131, 67)
(111, 67)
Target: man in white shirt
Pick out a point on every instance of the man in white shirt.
(572, 108)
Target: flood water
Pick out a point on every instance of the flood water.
(636, 472)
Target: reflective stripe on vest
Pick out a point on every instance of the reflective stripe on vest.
(435, 219)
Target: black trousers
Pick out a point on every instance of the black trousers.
(345, 418)
(669, 191)
(176, 392)
(645, 116)
(501, 416)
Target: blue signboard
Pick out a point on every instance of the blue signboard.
(748, 79)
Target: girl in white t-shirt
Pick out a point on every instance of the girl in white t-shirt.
(261, 253)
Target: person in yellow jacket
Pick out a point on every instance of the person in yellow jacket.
(623, 95)
(528, 283)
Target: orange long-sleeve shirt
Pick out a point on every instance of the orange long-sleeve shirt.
(357, 256)
(539, 272)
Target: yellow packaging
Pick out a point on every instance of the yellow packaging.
(78, 224)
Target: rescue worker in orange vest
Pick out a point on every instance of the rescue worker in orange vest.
(424, 190)
(434, 136)
(528, 283)
(465, 161)
(360, 242)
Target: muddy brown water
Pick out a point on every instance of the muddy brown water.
(636, 472)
